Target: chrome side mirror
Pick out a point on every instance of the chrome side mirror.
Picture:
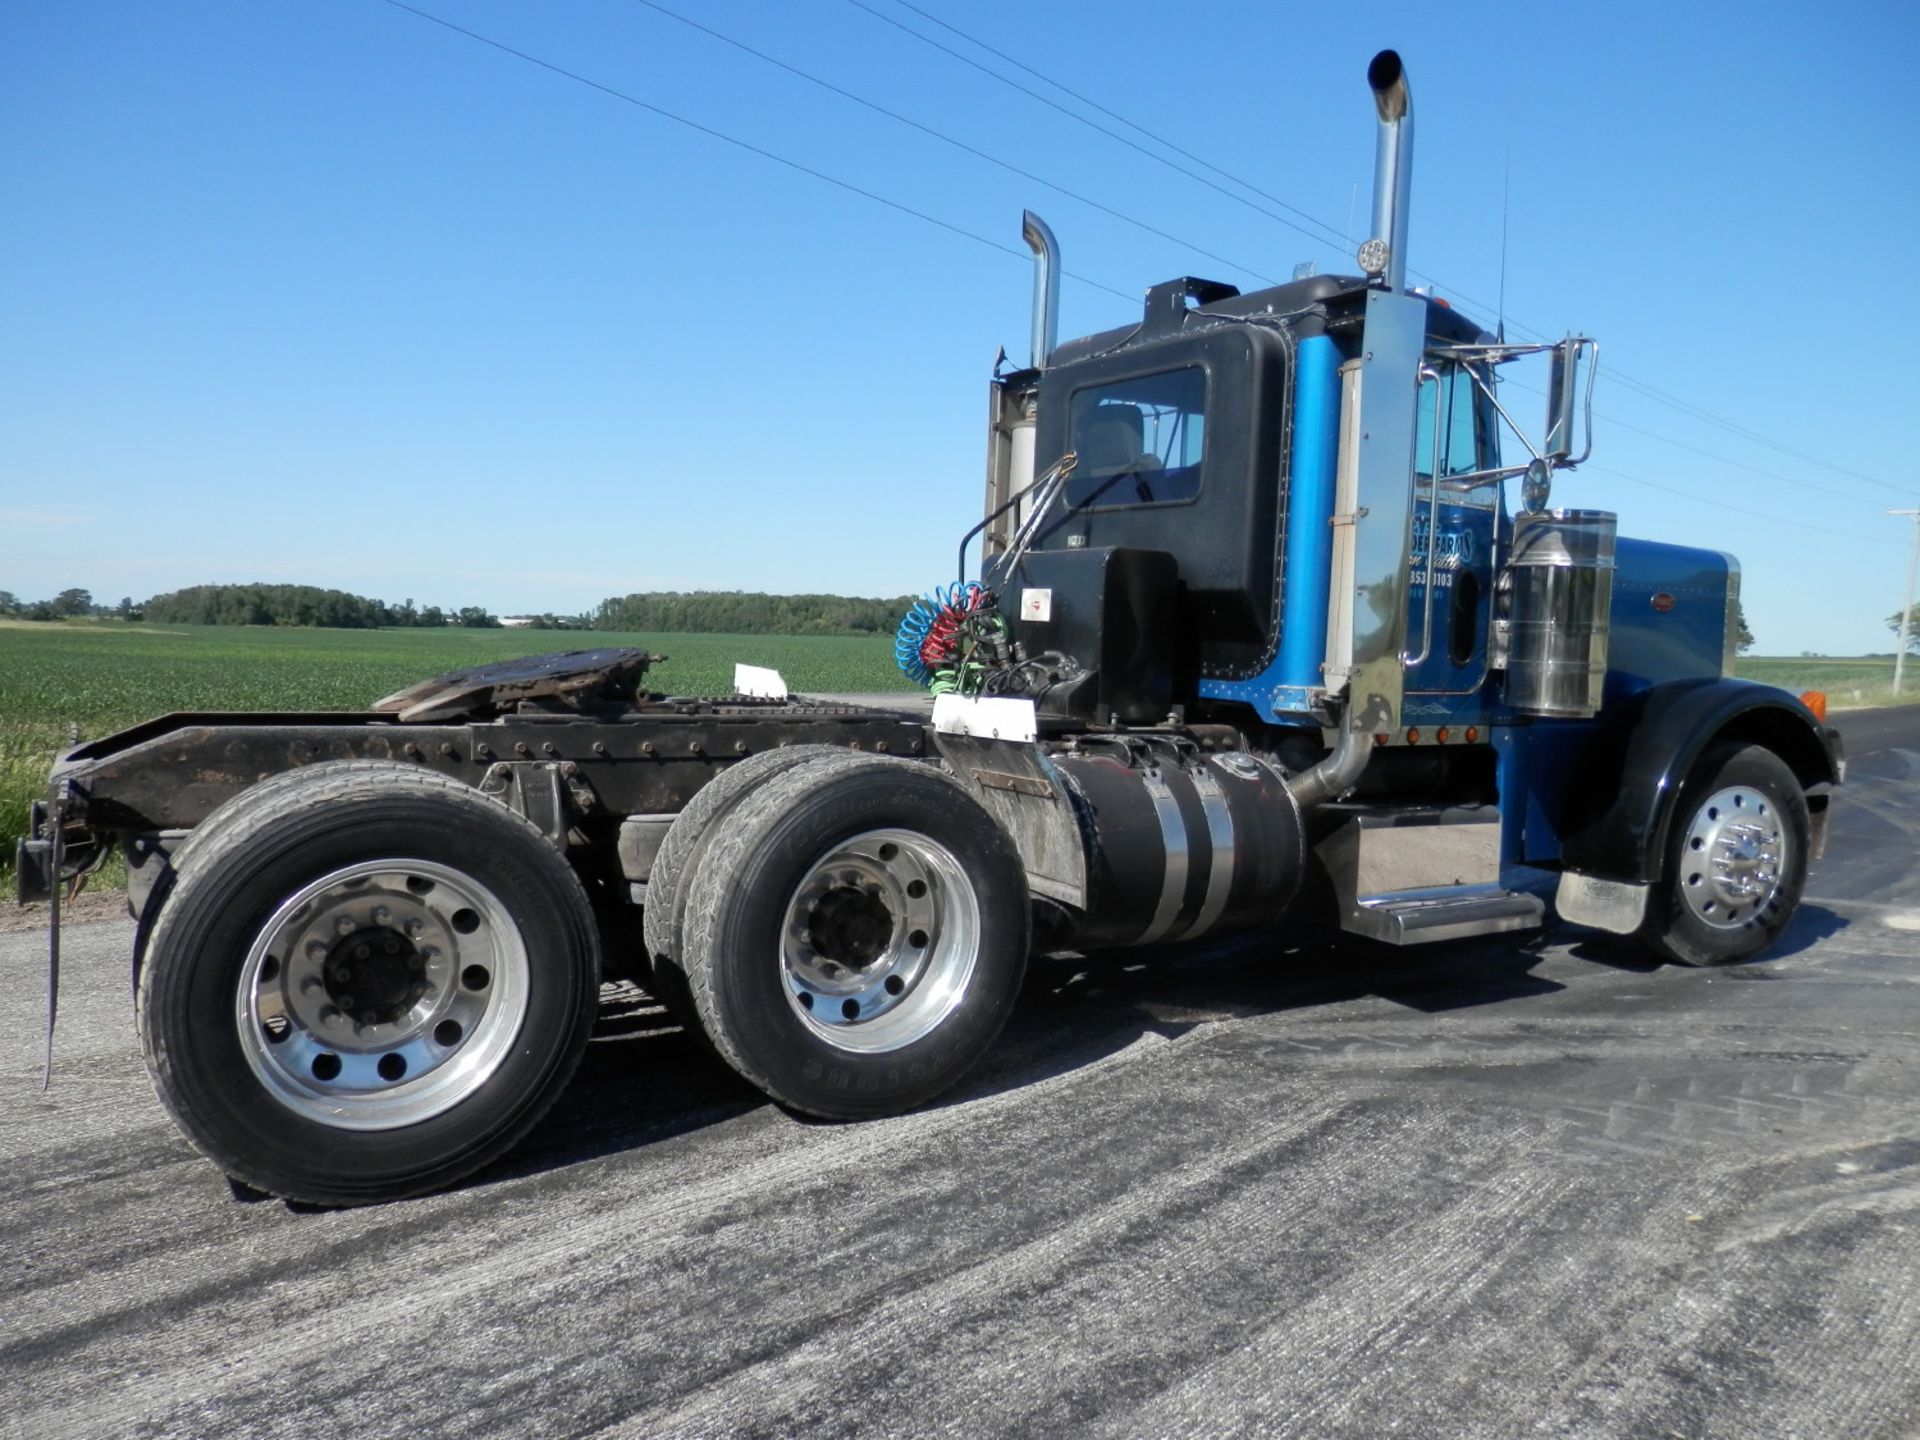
(1564, 402)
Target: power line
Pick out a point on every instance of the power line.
(1110, 134)
(945, 138)
(1754, 437)
(1819, 490)
(1339, 235)
(748, 146)
(1641, 387)
(1717, 504)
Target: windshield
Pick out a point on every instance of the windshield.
(1141, 441)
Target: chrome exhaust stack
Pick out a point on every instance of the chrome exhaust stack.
(1373, 490)
(1392, 169)
(1046, 286)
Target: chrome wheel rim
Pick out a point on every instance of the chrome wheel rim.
(879, 941)
(1734, 857)
(382, 994)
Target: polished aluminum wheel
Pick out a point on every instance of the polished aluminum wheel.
(1736, 852)
(382, 994)
(879, 940)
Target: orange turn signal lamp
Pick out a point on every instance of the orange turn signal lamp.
(1816, 701)
(1440, 736)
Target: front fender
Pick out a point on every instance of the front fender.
(1618, 810)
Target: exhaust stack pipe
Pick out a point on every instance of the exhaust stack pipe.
(1392, 163)
(1046, 285)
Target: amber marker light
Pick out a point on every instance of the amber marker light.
(1413, 737)
(1473, 734)
(1816, 701)
(1440, 735)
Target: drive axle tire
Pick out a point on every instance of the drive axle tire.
(367, 982)
(1736, 861)
(681, 854)
(856, 936)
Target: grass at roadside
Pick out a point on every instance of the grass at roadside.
(1850, 682)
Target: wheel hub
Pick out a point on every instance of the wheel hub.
(879, 940)
(850, 926)
(382, 994)
(1733, 858)
(375, 975)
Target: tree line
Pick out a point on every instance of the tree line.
(261, 605)
(743, 612)
(302, 605)
(735, 612)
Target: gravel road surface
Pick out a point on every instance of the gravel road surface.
(1499, 1188)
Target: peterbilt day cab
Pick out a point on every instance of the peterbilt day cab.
(1257, 641)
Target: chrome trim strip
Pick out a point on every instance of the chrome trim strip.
(1173, 834)
(1213, 799)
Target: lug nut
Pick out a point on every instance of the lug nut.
(343, 926)
(381, 915)
(414, 927)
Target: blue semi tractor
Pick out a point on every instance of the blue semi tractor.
(1257, 641)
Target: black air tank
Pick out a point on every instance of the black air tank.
(1180, 843)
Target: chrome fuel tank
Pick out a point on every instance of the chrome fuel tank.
(1561, 572)
(1180, 843)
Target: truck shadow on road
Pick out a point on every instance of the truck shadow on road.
(1810, 925)
(644, 1081)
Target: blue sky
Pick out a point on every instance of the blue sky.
(325, 292)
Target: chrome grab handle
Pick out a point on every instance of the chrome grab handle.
(1427, 372)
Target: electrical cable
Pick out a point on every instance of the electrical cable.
(1637, 386)
(1112, 135)
(1740, 509)
(748, 146)
(1642, 387)
(956, 143)
(1340, 236)
(1819, 490)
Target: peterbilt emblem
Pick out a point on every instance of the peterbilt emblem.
(1663, 601)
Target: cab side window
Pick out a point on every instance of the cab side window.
(1459, 410)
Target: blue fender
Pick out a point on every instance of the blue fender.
(1615, 815)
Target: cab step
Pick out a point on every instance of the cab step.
(1452, 912)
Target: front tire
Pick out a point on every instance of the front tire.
(1736, 861)
(856, 936)
(366, 983)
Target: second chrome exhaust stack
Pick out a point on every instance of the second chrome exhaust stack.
(1392, 169)
(1046, 286)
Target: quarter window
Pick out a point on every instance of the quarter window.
(1458, 453)
(1140, 441)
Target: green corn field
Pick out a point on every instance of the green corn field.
(102, 677)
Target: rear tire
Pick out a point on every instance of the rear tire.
(366, 984)
(1736, 861)
(856, 936)
(681, 854)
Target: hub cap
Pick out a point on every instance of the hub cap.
(1734, 855)
(879, 941)
(382, 994)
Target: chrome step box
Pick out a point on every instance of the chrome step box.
(1410, 876)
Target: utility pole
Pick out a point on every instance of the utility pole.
(1906, 599)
